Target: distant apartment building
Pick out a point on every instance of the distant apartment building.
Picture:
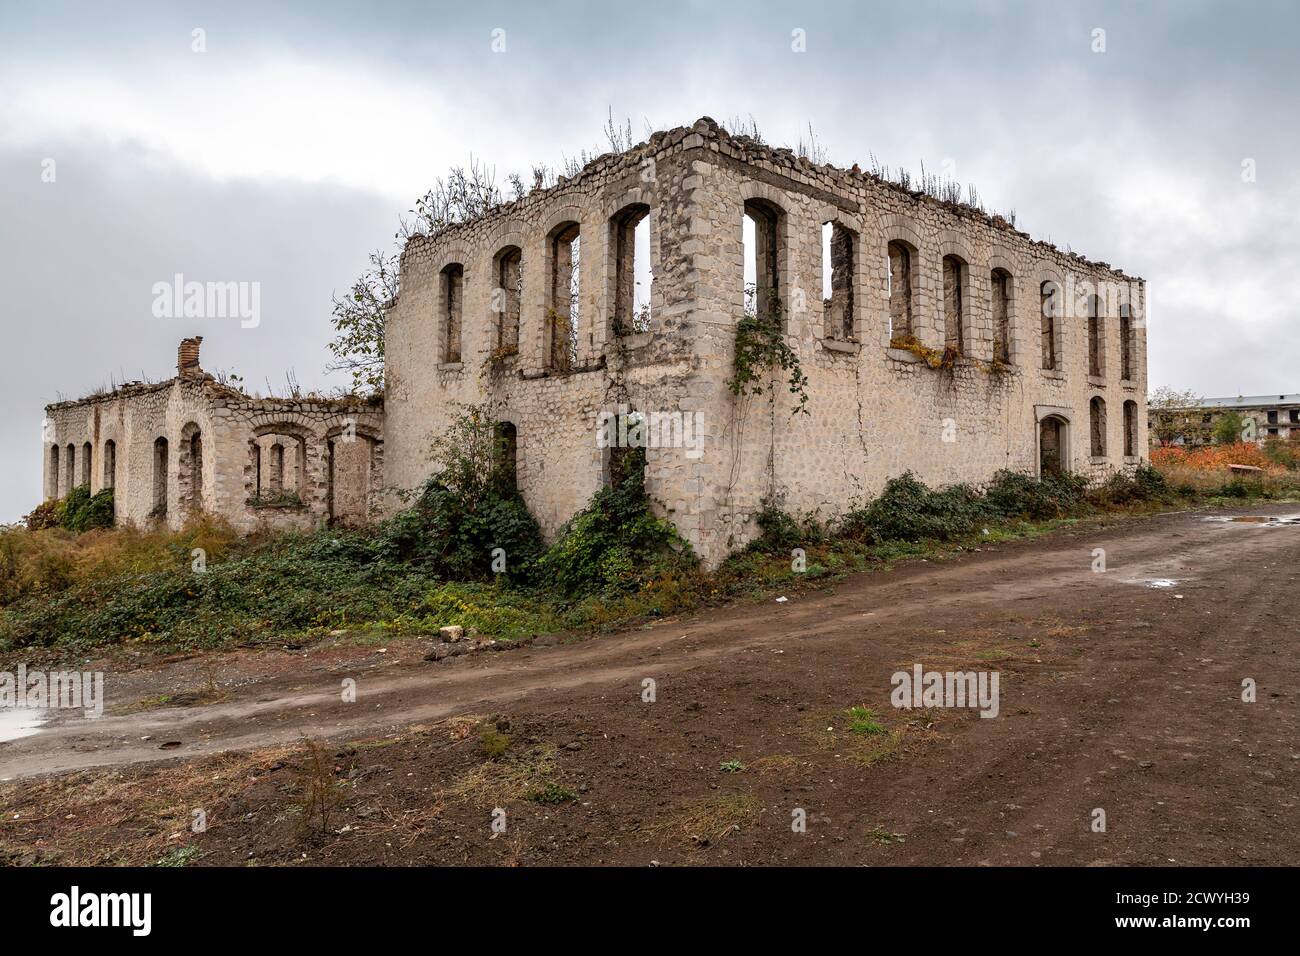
(1263, 417)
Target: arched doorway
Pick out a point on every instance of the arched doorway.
(1053, 445)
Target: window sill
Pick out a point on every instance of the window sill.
(1128, 383)
(837, 345)
(1098, 459)
(1097, 381)
(451, 366)
(1053, 373)
(902, 355)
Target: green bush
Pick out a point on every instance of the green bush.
(454, 538)
(1012, 494)
(909, 511)
(81, 512)
(615, 543)
(1145, 484)
(780, 532)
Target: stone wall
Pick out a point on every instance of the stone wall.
(176, 448)
(876, 406)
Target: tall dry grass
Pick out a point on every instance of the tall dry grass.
(54, 559)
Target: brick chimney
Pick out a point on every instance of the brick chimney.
(187, 358)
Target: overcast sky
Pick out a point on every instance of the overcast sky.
(287, 150)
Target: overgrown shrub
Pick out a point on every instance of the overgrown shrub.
(780, 532)
(615, 543)
(909, 511)
(81, 512)
(1144, 484)
(454, 538)
(1013, 494)
(43, 516)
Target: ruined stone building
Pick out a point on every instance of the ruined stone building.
(171, 449)
(934, 338)
(1264, 417)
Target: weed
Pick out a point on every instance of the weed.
(320, 792)
(493, 743)
(863, 721)
(551, 793)
(177, 856)
(707, 821)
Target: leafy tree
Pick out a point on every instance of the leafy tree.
(358, 321)
(1229, 427)
(1176, 415)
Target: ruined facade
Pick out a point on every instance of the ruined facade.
(1264, 417)
(175, 448)
(934, 338)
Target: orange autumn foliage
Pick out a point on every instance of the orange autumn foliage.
(1213, 457)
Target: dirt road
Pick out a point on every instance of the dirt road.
(1119, 691)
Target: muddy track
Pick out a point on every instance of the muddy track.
(1037, 575)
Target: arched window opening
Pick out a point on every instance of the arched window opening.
(763, 248)
(1049, 298)
(191, 469)
(1096, 337)
(70, 481)
(1125, 342)
(954, 319)
(507, 300)
(160, 466)
(86, 455)
(839, 249)
(900, 290)
(277, 469)
(506, 456)
(563, 312)
(453, 293)
(630, 242)
(1000, 282)
(1097, 426)
(110, 464)
(1130, 429)
(52, 487)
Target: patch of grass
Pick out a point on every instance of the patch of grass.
(858, 734)
(78, 819)
(493, 743)
(177, 856)
(864, 721)
(731, 766)
(704, 822)
(883, 837)
(512, 777)
(551, 793)
(196, 697)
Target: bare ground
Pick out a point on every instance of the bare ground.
(1114, 695)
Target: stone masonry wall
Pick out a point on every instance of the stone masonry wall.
(876, 407)
(318, 438)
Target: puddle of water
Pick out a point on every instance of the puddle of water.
(1162, 583)
(16, 723)
(1268, 521)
